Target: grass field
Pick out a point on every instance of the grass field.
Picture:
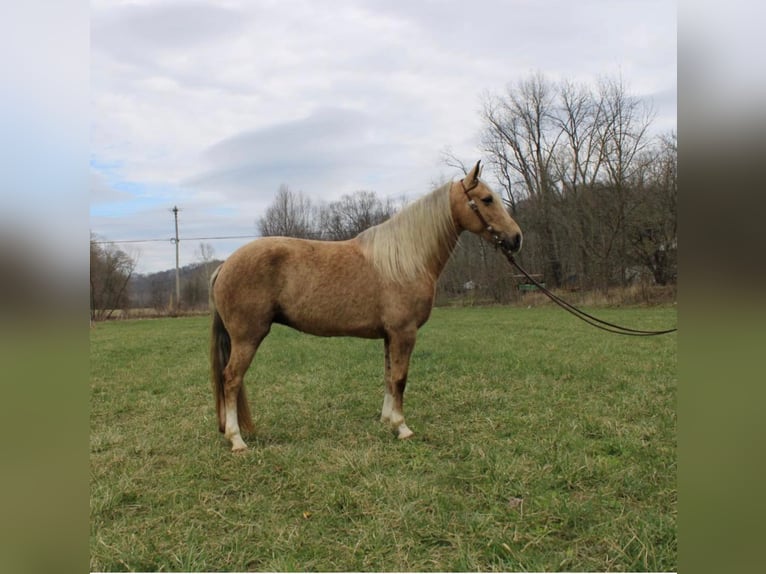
(540, 444)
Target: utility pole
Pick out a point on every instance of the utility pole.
(178, 277)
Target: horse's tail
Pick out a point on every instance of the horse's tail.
(220, 351)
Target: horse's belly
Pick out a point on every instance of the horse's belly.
(331, 313)
(339, 324)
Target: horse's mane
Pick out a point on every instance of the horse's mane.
(407, 244)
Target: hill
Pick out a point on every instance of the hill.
(157, 290)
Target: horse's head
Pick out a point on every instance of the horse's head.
(487, 217)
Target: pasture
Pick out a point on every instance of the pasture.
(540, 444)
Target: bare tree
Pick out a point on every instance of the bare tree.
(451, 160)
(205, 253)
(206, 256)
(197, 276)
(521, 137)
(652, 233)
(352, 214)
(623, 135)
(291, 215)
(578, 164)
(110, 272)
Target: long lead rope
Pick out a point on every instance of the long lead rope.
(588, 318)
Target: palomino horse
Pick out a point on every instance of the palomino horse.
(378, 285)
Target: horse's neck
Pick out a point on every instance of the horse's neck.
(441, 250)
(445, 247)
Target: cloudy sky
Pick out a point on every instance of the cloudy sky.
(210, 105)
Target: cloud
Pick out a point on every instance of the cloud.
(146, 34)
(331, 148)
(665, 103)
(101, 191)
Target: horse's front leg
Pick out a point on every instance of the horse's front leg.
(388, 399)
(399, 347)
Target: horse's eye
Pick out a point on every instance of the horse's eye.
(486, 200)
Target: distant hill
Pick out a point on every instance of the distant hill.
(157, 290)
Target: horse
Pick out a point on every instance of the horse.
(380, 284)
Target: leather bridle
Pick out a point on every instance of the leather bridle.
(496, 240)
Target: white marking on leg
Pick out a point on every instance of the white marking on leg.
(388, 407)
(399, 426)
(232, 427)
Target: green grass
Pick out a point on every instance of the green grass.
(540, 444)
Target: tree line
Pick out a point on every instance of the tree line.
(111, 270)
(115, 288)
(594, 192)
(293, 214)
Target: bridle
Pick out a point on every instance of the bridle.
(579, 313)
(496, 240)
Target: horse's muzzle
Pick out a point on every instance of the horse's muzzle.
(511, 243)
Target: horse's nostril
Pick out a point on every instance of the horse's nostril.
(514, 242)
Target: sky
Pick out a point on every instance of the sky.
(211, 105)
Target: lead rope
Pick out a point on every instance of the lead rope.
(579, 313)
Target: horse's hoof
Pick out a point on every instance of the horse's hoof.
(238, 445)
(404, 433)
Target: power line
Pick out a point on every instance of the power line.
(173, 239)
(221, 237)
(131, 240)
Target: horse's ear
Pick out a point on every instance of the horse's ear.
(473, 175)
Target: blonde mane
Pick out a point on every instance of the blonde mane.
(421, 234)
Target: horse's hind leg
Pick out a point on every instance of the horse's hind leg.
(399, 347)
(235, 402)
(241, 356)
